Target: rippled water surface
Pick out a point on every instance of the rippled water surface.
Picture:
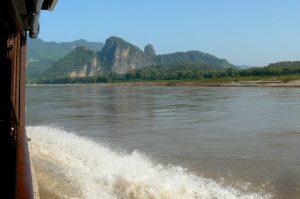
(166, 142)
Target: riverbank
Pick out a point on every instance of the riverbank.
(251, 83)
(258, 83)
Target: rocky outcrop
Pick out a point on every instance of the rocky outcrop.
(42, 55)
(82, 62)
(149, 52)
(88, 69)
(120, 56)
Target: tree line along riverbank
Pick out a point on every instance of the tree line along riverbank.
(188, 74)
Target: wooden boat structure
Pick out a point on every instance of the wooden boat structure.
(18, 18)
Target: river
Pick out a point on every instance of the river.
(92, 141)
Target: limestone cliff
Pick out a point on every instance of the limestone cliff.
(82, 62)
(91, 68)
(41, 55)
(120, 56)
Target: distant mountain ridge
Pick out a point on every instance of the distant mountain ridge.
(41, 55)
(39, 49)
(120, 56)
(285, 64)
(244, 66)
(192, 57)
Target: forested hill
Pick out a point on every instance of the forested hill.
(41, 55)
(121, 57)
(192, 57)
(81, 62)
(292, 64)
(39, 49)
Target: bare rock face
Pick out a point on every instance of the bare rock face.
(81, 62)
(87, 63)
(88, 69)
(120, 56)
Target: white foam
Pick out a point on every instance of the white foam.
(98, 172)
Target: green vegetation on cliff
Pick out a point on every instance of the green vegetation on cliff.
(120, 61)
(41, 55)
(39, 49)
(121, 56)
(192, 57)
(286, 64)
(73, 63)
(188, 72)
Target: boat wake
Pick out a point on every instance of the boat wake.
(76, 167)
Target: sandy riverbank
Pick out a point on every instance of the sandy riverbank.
(225, 83)
(259, 83)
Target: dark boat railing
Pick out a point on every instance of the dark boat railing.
(23, 182)
(24, 188)
(20, 178)
(17, 18)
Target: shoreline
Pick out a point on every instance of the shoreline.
(257, 83)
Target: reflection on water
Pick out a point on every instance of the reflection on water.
(232, 135)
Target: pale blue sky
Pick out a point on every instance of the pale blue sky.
(253, 32)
